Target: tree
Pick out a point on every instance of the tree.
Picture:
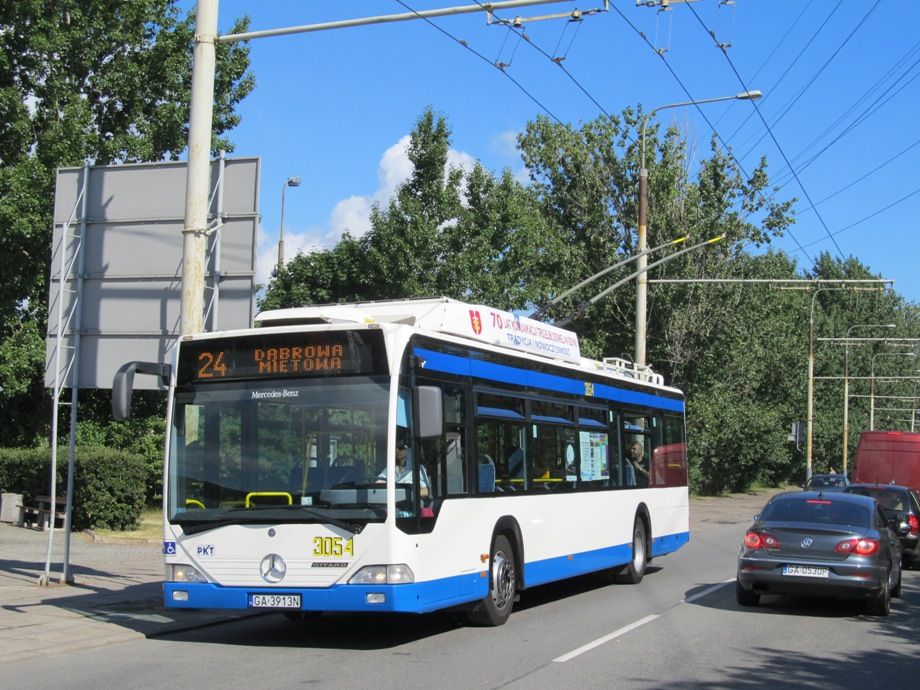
(471, 236)
(103, 81)
(587, 182)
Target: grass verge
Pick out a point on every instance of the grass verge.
(150, 529)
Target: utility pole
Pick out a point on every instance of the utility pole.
(194, 233)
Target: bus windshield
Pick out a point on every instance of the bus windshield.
(285, 450)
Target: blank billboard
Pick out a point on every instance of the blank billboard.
(129, 304)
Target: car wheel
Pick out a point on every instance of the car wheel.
(896, 590)
(495, 608)
(881, 605)
(746, 597)
(633, 573)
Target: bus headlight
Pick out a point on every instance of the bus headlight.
(184, 573)
(398, 574)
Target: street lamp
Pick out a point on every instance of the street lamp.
(872, 382)
(290, 182)
(642, 262)
(846, 386)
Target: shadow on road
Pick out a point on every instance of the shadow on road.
(781, 668)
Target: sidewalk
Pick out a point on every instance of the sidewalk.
(117, 591)
(116, 596)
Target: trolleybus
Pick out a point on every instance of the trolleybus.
(408, 456)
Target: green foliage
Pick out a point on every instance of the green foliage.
(82, 80)
(108, 483)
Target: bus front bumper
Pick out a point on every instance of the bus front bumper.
(420, 597)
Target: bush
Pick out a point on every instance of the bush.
(139, 435)
(108, 484)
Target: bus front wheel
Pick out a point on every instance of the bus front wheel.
(633, 572)
(495, 608)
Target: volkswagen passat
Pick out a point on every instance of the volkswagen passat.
(821, 544)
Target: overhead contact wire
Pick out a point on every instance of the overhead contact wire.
(773, 137)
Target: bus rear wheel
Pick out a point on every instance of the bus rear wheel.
(632, 573)
(495, 608)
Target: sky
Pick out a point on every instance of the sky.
(839, 79)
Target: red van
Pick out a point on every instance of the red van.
(888, 457)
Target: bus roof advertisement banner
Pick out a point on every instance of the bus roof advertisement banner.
(509, 330)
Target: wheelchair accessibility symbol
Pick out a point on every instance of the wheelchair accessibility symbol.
(169, 548)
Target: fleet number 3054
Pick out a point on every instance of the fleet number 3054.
(333, 547)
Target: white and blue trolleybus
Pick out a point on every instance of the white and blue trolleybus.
(408, 456)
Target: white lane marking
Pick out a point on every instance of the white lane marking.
(708, 590)
(632, 626)
(606, 638)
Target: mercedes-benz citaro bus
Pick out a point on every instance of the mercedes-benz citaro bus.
(408, 456)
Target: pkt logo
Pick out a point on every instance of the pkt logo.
(206, 550)
(476, 321)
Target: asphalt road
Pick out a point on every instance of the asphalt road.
(680, 628)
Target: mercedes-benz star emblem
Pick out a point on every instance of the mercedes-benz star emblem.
(807, 541)
(273, 568)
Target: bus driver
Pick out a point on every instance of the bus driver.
(404, 470)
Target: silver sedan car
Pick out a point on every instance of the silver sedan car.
(821, 544)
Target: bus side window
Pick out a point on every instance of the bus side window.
(669, 460)
(598, 451)
(455, 461)
(637, 441)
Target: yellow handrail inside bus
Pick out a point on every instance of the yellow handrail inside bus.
(194, 502)
(252, 494)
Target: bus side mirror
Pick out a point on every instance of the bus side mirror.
(429, 412)
(123, 385)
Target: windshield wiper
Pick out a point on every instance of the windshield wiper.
(242, 516)
(352, 527)
(196, 526)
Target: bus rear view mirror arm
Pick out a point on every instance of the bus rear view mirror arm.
(123, 385)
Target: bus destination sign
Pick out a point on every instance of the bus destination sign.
(281, 355)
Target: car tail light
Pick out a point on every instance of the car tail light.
(861, 547)
(760, 540)
(914, 524)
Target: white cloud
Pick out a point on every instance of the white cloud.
(504, 144)
(352, 214)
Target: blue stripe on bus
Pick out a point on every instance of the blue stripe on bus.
(419, 597)
(502, 373)
(561, 567)
(669, 543)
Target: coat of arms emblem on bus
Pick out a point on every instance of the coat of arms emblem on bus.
(476, 321)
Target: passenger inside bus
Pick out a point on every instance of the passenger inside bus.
(636, 472)
(515, 461)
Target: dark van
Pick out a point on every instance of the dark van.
(888, 457)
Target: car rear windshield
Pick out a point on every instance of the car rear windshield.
(819, 481)
(823, 510)
(889, 499)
